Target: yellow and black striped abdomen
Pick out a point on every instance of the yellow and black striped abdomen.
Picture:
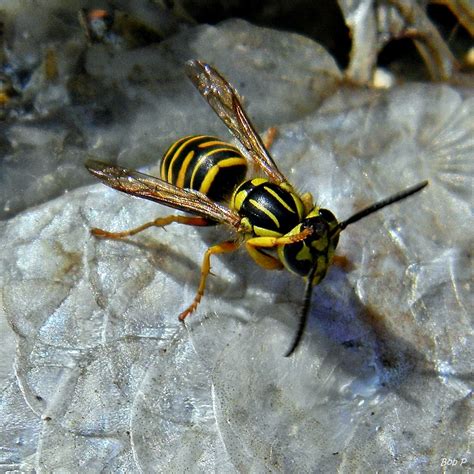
(205, 164)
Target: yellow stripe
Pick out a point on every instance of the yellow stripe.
(218, 150)
(257, 181)
(196, 168)
(208, 179)
(304, 254)
(265, 211)
(210, 143)
(322, 266)
(213, 171)
(262, 232)
(164, 160)
(279, 199)
(201, 160)
(238, 199)
(182, 171)
(178, 152)
(320, 244)
(299, 205)
(231, 161)
(168, 154)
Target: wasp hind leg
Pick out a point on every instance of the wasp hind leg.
(223, 247)
(159, 222)
(269, 137)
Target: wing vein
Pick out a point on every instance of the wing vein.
(148, 187)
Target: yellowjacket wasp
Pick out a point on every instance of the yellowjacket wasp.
(266, 212)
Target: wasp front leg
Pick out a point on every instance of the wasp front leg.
(223, 247)
(159, 222)
(255, 244)
(270, 242)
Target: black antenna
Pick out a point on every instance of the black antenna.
(379, 205)
(308, 291)
(341, 226)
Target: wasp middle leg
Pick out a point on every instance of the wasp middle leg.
(223, 247)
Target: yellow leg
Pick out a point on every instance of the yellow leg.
(266, 261)
(160, 222)
(269, 242)
(223, 247)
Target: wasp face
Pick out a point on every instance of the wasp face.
(315, 250)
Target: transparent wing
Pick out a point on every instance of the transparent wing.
(148, 187)
(224, 100)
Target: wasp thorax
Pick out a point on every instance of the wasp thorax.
(269, 209)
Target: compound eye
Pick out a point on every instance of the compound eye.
(327, 215)
(318, 225)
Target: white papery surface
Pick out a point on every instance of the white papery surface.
(106, 378)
